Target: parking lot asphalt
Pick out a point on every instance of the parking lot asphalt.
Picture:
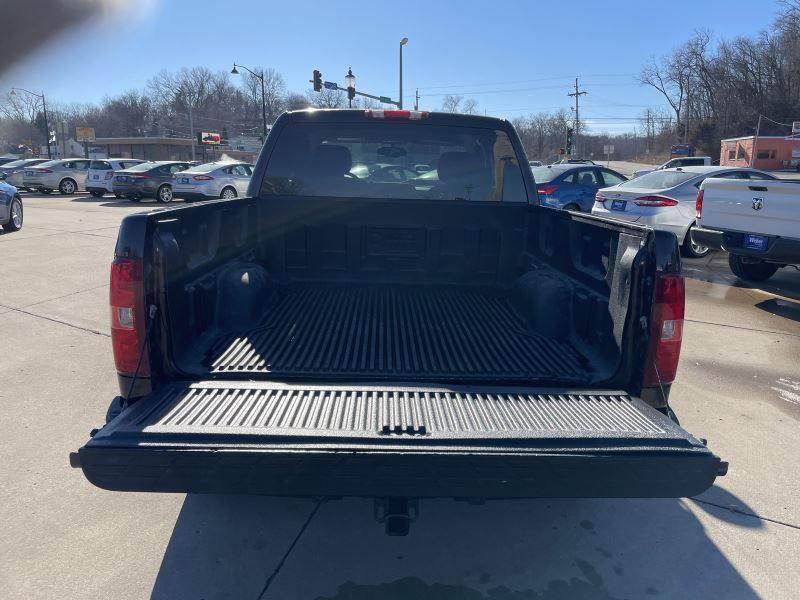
(738, 386)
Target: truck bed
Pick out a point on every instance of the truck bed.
(393, 332)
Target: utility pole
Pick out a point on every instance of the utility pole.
(191, 128)
(577, 95)
(686, 120)
(403, 42)
(416, 100)
(755, 143)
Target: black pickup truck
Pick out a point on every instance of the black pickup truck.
(391, 314)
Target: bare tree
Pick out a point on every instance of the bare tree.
(327, 98)
(451, 103)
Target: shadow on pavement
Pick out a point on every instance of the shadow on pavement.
(104, 201)
(227, 547)
(781, 308)
(716, 498)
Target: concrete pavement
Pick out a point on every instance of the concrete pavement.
(738, 386)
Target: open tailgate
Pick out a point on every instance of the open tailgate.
(377, 440)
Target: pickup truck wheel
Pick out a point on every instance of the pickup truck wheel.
(228, 193)
(15, 219)
(751, 271)
(164, 194)
(67, 187)
(691, 250)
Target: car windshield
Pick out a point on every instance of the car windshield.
(49, 163)
(208, 167)
(545, 174)
(660, 180)
(100, 165)
(378, 160)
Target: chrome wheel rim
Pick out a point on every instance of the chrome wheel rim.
(68, 187)
(698, 249)
(228, 193)
(165, 194)
(16, 214)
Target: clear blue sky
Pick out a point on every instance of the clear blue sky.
(514, 57)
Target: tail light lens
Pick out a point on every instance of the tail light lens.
(140, 176)
(202, 178)
(546, 190)
(655, 201)
(698, 205)
(45, 170)
(598, 198)
(128, 327)
(666, 330)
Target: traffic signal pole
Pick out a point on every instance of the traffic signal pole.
(318, 84)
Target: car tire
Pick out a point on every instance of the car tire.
(164, 194)
(15, 218)
(691, 250)
(97, 193)
(751, 271)
(228, 193)
(67, 187)
(573, 206)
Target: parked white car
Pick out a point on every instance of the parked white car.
(757, 222)
(212, 180)
(101, 174)
(66, 175)
(685, 161)
(665, 200)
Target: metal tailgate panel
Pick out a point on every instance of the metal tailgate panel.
(280, 439)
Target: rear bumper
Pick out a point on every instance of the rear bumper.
(191, 196)
(132, 190)
(779, 250)
(373, 441)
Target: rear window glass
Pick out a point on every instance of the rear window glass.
(207, 167)
(100, 165)
(545, 174)
(16, 163)
(145, 166)
(661, 180)
(380, 160)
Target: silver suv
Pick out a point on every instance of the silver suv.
(65, 175)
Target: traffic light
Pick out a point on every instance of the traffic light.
(317, 81)
(569, 140)
(351, 93)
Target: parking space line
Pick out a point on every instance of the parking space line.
(745, 328)
(739, 511)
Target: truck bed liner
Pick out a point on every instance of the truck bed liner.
(388, 332)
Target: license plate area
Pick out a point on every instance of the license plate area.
(755, 242)
(619, 205)
(184, 180)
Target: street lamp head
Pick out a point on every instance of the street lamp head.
(350, 79)
(404, 41)
(234, 70)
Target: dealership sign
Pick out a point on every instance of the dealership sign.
(209, 138)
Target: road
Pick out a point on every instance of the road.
(738, 386)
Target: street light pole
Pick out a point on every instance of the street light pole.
(260, 76)
(44, 111)
(403, 42)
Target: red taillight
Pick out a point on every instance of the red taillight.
(45, 170)
(698, 205)
(666, 330)
(126, 297)
(140, 176)
(598, 198)
(655, 201)
(202, 178)
(546, 190)
(402, 115)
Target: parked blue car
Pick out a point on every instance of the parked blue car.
(573, 186)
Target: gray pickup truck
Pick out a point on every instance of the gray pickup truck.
(356, 328)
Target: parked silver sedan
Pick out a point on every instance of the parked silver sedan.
(65, 175)
(226, 180)
(15, 169)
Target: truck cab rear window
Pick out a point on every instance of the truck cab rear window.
(394, 160)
